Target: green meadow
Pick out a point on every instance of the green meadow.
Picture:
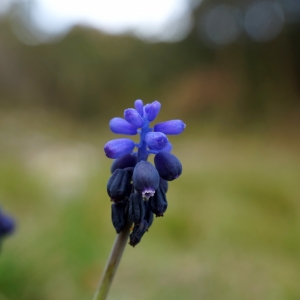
(231, 231)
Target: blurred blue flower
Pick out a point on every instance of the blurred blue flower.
(136, 187)
(7, 225)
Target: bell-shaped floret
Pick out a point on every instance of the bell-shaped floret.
(148, 213)
(133, 117)
(118, 147)
(163, 184)
(136, 208)
(118, 186)
(152, 110)
(170, 127)
(121, 126)
(145, 179)
(7, 224)
(168, 165)
(139, 106)
(137, 233)
(156, 140)
(158, 203)
(125, 161)
(118, 215)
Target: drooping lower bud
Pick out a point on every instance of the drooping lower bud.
(158, 203)
(126, 161)
(168, 165)
(136, 208)
(145, 179)
(148, 213)
(118, 186)
(137, 233)
(163, 184)
(118, 215)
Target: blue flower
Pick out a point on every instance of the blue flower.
(7, 225)
(156, 140)
(119, 125)
(118, 147)
(133, 117)
(137, 187)
(170, 127)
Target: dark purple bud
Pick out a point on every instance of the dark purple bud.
(170, 127)
(118, 186)
(167, 165)
(156, 140)
(145, 179)
(163, 184)
(137, 233)
(121, 126)
(158, 203)
(126, 161)
(118, 147)
(136, 208)
(152, 110)
(118, 215)
(133, 117)
(139, 105)
(7, 225)
(148, 213)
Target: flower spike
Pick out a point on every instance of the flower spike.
(137, 187)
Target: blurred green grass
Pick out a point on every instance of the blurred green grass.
(231, 231)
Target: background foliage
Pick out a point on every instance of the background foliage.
(232, 229)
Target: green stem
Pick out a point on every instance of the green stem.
(112, 263)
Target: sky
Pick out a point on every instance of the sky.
(151, 20)
(155, 19)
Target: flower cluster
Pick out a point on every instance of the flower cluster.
(136, 187)
(7, 225)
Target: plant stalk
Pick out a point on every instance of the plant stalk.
(112, 263)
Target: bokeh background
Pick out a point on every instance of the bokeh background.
(231, 71)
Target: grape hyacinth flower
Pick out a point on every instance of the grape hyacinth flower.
(136, 187)
(7, 225)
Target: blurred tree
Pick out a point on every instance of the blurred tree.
(87, 72)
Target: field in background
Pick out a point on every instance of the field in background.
(231, 231)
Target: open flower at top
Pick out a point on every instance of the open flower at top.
(152, 140)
